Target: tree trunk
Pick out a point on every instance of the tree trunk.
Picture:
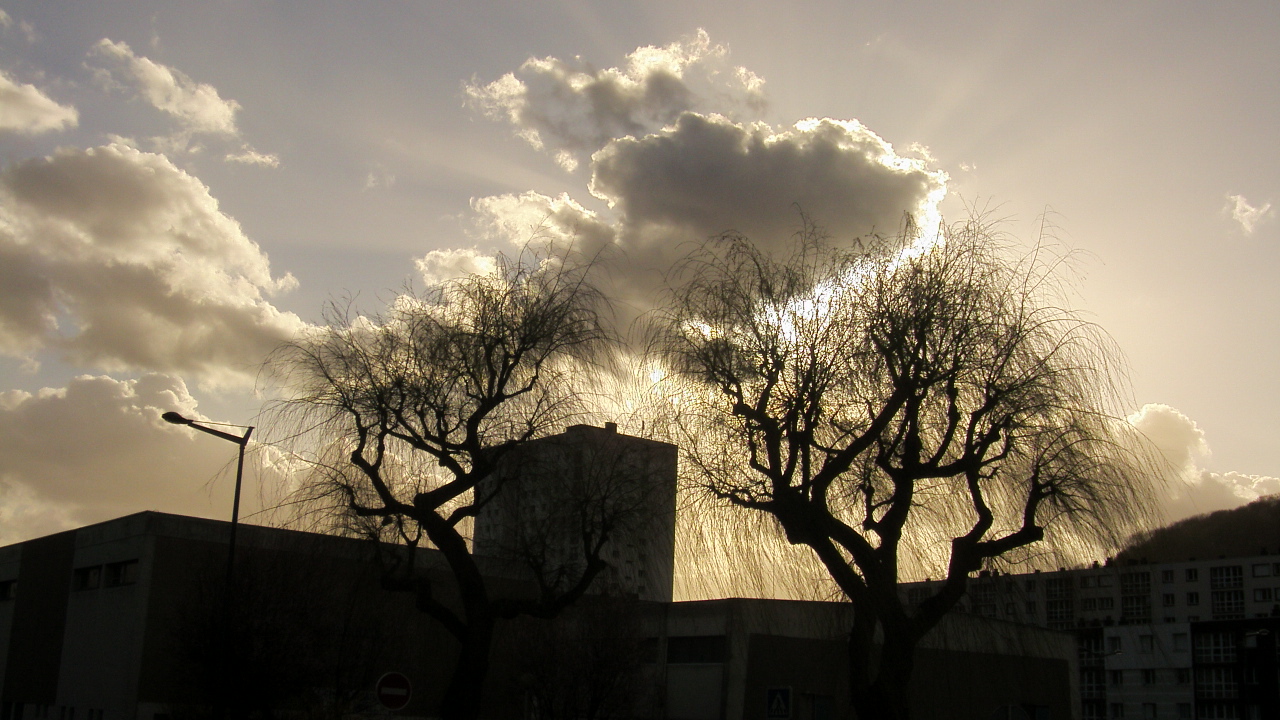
(463, 696)
(886, 697)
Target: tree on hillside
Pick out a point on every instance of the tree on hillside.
(897, 403)
(1252, 529)
(413, 409)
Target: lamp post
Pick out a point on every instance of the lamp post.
(228, 593)
(242, 441)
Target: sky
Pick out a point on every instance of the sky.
(184, 185)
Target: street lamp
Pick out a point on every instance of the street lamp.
(228, 593)
(242, 441)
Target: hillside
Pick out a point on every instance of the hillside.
(1246, 530)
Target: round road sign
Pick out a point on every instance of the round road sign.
(393, 690)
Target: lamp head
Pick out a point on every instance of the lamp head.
(175, 418)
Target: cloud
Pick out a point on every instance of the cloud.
(676, 162)
(197, 105)
(438, 266)
(379, 177)
(1176, 436)
(117, 259)
(25, 109)
(1193, 490)
(97, 449)
(249, 156)
(707, 175)
(569, 107)
(1245, 214)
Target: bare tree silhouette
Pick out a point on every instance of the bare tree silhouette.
(906, 401)
(413, 413)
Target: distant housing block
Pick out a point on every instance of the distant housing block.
(550, 494)
(1192, 639)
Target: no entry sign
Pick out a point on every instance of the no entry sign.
(393, 690)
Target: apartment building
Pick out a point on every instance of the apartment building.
(1190, 639)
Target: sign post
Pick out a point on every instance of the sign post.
(777, 703)
(393, 690)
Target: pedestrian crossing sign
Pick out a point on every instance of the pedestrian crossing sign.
(778, 703)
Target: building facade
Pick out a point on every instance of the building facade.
(550, 491)
(1188, 639)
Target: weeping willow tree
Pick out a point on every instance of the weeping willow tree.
(413, 416)
(912, 403)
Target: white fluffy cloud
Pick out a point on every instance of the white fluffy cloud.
(676, 163)
(97, 449)
(438, 266)
(197, 105)
(119, 260)
(1192, 489)
(25, 109)
(570, 107)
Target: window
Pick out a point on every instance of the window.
(1059, 613)
(1217, 682)
(122, 573)
(1262, 570)
(1010, 609)
(1184, 676)
(1106, 603)
(1193, 574)
(1030, 584)
(1148, 711)
(1089, 604)
(1169, 599)
(1146, 643)
(1104, 581)
(1149, 677)
(1227, 604)
(1226, 577)
(1031, 607)
(1261, 594)
(8, 590)
(1058, 588)
(1113, 645)
(1180, 642)
(88, 578)
(1117, 710)
(1166, 576)
(1193, 598)
(1088, 581)
(1135, 609)
(1184, 711)
(1117, 677)
(1215, 647)
(1092, 683)
(1135, 583)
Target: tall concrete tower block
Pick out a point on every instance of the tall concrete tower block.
(551, 497)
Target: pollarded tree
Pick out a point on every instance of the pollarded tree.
(898, 403)
(413, 409)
